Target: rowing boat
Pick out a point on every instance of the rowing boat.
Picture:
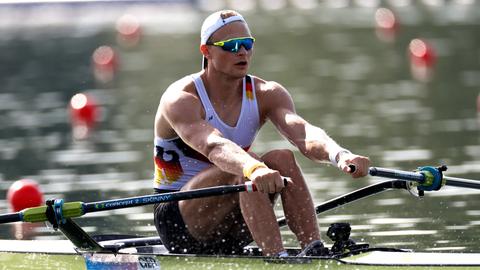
(61, 254)
(82, 251)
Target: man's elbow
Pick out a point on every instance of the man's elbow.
(302, 146)
(214, 146)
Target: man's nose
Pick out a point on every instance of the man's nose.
(242, 50)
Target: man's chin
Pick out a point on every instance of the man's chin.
(240, 72)
(235, 72)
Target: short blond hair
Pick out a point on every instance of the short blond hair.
(227, 13)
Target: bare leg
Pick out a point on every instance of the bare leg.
(296, 199)
(257, 210)
(207, 218)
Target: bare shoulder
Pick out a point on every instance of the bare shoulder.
(271, 95)
(182, 90)
(179, 103)
(268, 87)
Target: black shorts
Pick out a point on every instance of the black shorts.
(176, 238)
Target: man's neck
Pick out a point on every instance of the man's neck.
(221, 86)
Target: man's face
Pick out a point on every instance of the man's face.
(232, 63)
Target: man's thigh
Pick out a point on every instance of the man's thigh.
(205, 217)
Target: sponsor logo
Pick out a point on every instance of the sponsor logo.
(121, 262)
(145, 262)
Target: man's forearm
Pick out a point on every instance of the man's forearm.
(230, 157)
(320, 147)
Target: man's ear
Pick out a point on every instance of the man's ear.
(204, 50)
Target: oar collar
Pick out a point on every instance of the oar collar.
(54, 212)
(433, 178)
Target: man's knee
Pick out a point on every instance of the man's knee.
(279, 158)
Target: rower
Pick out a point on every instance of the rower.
(205, 126)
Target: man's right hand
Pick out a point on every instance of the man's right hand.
(267, 180)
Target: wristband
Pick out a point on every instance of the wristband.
(251, 167)
(332, 155)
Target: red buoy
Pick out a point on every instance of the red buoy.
(83, 115)
(386, 24)
(421, 53)
(105, 57)
(422, 59)
(129, 30)
(23, 194)
(105, 63)
(83, 109)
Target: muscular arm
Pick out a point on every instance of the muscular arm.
(312, 141)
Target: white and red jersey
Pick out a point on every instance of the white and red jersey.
(176, 162)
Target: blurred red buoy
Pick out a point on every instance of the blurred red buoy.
(129, 30)
(421, 53)
(105, 63)
(386, 24)
(105, 57)
(23, 194)
(83, 114)
(83, 110)
(422, 59)
(385, 18)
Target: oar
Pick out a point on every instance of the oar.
(424, 175)
(57, 211)
(428, 178)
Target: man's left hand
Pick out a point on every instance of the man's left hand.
(361, 164)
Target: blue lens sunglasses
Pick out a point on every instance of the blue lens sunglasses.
(234, 44)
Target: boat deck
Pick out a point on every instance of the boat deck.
(41, 254)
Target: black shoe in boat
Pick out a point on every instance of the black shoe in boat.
(315, 248)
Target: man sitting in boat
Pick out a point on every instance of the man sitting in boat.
(204, 127)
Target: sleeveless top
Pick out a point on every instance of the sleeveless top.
(176, 162)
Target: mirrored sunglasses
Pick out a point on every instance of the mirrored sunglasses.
(234, 44)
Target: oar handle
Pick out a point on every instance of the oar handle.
(250, 186)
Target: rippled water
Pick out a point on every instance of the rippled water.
(343, 75)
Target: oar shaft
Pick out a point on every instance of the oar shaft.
(354, 196)
(462, 182)
(170, 196)
(11, 217)
(164, 197)
(77, 209)
(396, 174)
